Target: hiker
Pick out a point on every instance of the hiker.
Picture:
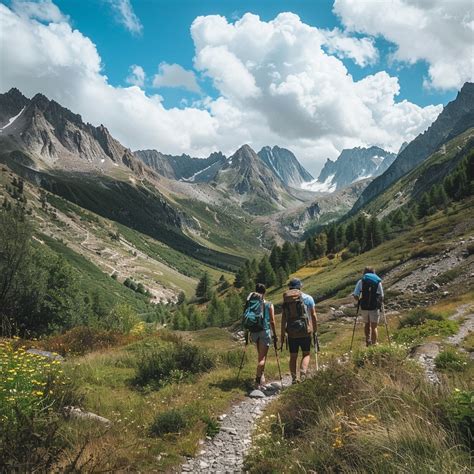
(368, 294)
(261, 336)
(298, 322)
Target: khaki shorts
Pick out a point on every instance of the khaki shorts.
(372, 315)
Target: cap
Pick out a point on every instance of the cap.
(295, 283)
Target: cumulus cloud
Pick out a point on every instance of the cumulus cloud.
(136, 76)
(42, 10)
(277, 83)
(126, 16)
(439, 32)
(174, 75)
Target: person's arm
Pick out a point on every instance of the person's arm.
(283, 327)
(314, 319)
(380, 296)
(272, 319)
(357, 291)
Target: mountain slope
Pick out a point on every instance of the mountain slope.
(456, 116)
(179, 167)
(351, 165)
(284, 164)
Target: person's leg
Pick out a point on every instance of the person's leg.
(262, 350)
(293, 347)
(306, 350)
(368, 339)
(374, 333)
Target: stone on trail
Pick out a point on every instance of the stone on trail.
(256, 394)
(49, 355)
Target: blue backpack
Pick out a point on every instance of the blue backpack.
(253, 318)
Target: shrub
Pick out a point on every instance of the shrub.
(459, 409)
(172, 362)
(418, 316)
(447, 276)
(451, 360)
(122, 319)
(380, 356)
(346, 255)
(429, 328)
(233, 358)
(470, 248)
(428, 251)
(80, 340)
(33, 393)
(172, 421)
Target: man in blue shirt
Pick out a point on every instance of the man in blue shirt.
(368, 293)
(298, 322)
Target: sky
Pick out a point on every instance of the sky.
(196, 76)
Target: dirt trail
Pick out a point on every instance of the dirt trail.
(466, 312)
(226, 451)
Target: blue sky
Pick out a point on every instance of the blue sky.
(313, 76)
(166, 38)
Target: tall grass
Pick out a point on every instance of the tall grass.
(374, 415)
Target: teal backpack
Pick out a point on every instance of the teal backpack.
(253, 319)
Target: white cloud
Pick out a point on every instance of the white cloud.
(42, 10)
(439, 32)
(174, 75)
(276, 84)
(136, 76)
(126, 16)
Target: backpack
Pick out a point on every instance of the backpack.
(298, 323)
(253, 318)
(369, 299)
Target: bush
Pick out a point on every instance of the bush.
(451, 360)
(33, 393)
(429, 328)
(380, 356)
(346, 255)
(459, 409)
(80, 340)
(447, 276)
(418, 316)
(169, 363)
(172, 421)
(233, 358)
(470, 248)
(122, 319)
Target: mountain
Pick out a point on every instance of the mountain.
(284, 164)
(182, 167)
(352, 165)
(245, 176)
(456, 117)
(52, 136)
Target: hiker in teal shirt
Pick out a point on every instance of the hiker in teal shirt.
(263, 339)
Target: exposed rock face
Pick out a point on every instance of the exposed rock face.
(456, 117)
(56, 137)
(352, 165)
(182, 167)
(284, 165)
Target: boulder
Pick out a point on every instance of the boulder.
(256, 394)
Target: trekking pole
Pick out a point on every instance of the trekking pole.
(386, 325)
(278, 360)
(355, 322)
(316, 349)
(243, 353)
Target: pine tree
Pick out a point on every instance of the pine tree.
(340, 237)
(281, 277)
(332, 239)
(321, 245)
(203, 289)
(360, 227)
(350, 231)
(275, 257)
(374, 235)
(424, 205)
(266, 275)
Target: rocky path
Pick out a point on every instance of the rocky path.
(226, 451)
(465, 312)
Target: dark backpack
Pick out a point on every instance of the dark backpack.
(369, 299)
(253, 318)
(297, 321)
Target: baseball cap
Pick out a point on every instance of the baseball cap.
(295, 283)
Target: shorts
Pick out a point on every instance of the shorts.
(372, 315)
(263, 336)
(295, 343)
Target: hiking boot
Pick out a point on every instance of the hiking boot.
(258, 383)
(302, 376)
(368, 343)
(294, 380)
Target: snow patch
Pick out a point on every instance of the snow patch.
(192, 178)
(320, 187)
(10, 121)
